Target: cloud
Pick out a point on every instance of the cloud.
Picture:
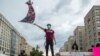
(85, 3)
(61, 4)
(96, 2)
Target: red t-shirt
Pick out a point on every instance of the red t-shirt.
(49, 34)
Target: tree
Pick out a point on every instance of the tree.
(36, 52)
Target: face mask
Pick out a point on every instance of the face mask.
(49, 26)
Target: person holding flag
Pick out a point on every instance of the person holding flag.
(49, 33)
(50, 38)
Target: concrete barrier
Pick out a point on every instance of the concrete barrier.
(75, 53)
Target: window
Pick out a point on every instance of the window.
(80, 33)
(94, 34)
(0, 42)
(99, 33)
(80, 40)
(96, 11)
(88, 20)
(99, 39)
(95, 40)
(0, 48)
(97, 21)
(98, 27)
(97, 16)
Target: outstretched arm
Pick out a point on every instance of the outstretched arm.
(39, 26)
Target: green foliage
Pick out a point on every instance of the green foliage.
(36, 52)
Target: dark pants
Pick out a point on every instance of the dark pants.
(51, 47)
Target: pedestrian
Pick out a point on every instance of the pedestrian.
(22, 53)
(50, 38)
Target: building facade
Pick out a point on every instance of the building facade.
(62, 49)
(28, 49)
(80, 37)
(5, 35)
(18, 41)
(23, 44)
(88, 36)
(66, 46)
(92, 26)
(71, 40)
(8, 37)
(11, 42)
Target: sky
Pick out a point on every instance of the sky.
(64, 15)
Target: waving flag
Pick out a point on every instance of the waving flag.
(30, 15)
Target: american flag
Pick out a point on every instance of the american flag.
(30, 15)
